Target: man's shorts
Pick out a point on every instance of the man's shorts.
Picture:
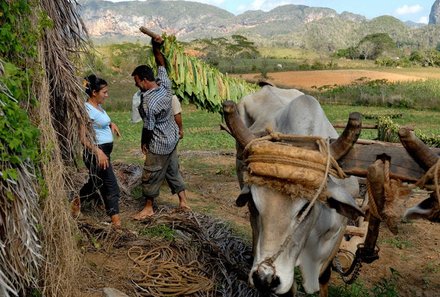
(160, 167)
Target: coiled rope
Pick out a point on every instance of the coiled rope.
(159, 273)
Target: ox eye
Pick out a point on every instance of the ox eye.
(303, 209)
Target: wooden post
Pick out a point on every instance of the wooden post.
(148, 32)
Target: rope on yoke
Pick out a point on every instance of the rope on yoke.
(372, 203)
(269, 261)
(391, 192)
(276, 158)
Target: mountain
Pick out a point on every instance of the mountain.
(288, 25)
(434, 16)
(412, 24)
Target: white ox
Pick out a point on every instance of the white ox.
(280, 242)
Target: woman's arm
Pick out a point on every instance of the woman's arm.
(115, 129)
(102, 157)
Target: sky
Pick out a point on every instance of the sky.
(406, 10)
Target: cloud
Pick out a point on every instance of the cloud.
(265, 5)
(211, 2)
(423, 20)
(406, 9)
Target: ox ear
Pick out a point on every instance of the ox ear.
(341, 201)
(244, 197)
(427, 209)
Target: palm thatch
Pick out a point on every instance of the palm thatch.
(61, 112)
(20, 251)
(60, 48)
(45, 259)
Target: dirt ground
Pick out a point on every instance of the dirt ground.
(310, 79)
(413, 254)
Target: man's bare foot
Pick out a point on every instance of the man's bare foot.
(116, 221)
(142, 215)
(184, 207)
(75, 207)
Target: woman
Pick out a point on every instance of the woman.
(97, 155)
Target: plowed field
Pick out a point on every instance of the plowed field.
(310, 79)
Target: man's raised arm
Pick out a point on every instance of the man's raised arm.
(158, 56)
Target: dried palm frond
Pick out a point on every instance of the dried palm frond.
(59, 248)
(61, 112)
(61, 46)
(20, 250)
(19, 244)
(56, 85)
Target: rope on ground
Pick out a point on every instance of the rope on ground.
(161, 274)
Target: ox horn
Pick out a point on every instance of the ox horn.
(419, 151)
(239, 131)
(351, 133)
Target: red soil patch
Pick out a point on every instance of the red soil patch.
(318, 78)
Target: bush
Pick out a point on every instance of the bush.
(417, 94)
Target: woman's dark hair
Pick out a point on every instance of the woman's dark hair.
(93, 83)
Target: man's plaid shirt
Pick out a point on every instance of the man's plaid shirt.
(157, 115)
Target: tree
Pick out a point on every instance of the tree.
(241, 47)
(374, 45)
(219, 48)
(367, 50)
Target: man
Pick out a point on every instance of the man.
(160, 133)
(177, 111)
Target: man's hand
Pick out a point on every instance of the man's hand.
(158, 40)
(146, 137)
(144, 149)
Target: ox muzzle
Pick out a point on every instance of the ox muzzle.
(264, 278)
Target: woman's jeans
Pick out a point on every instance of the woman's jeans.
(100, 179)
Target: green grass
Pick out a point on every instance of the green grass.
(398, 242)
(287, 53)
(159, 231)
(201, 132)
(127, 148)
(423, 120)
(386, 287)
(121, 92)
(418, 95)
